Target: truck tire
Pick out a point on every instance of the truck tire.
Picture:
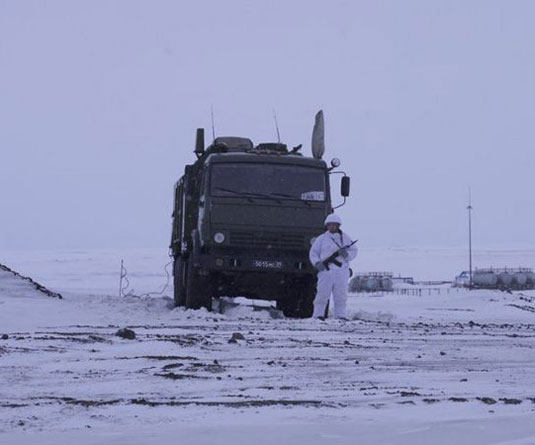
(306, 303)
(179, 280)
(300, 304)
(198, 289)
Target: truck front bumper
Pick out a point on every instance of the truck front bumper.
(249, 262)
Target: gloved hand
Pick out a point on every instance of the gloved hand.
(343, 252)
(320, 266)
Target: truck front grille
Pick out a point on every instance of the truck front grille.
(268, 240)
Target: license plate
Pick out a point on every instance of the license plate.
(267, 264)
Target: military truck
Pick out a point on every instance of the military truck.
(244, 218)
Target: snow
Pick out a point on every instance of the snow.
(273, 428)
(440, 365)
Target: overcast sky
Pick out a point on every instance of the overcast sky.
(99, 102)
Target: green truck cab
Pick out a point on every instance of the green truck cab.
(243, 221)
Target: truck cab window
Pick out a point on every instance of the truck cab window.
(303, 183)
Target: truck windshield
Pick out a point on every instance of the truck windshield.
(276, 181)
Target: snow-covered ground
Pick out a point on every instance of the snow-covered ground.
(438, 366)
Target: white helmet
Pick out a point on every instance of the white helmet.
(332, 218)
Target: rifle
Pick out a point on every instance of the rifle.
(332, 258)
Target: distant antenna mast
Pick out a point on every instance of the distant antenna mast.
(469, 208)
(213, 125)
(277, 126)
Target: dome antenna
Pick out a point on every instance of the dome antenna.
(318, 136)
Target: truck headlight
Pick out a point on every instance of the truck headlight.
(219, 237)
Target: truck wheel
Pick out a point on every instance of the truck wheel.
(179, 271)
(198, 292)
(287, 307)
(306, 302)
(300, 303)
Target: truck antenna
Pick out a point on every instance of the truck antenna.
(213, 125)
(277, 126)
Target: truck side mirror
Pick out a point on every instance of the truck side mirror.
(344, 186)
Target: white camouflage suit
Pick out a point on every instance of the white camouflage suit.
(335, 279)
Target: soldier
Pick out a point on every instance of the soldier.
(330, 254)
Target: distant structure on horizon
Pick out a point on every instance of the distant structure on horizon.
(504, 278)
(372, 282)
